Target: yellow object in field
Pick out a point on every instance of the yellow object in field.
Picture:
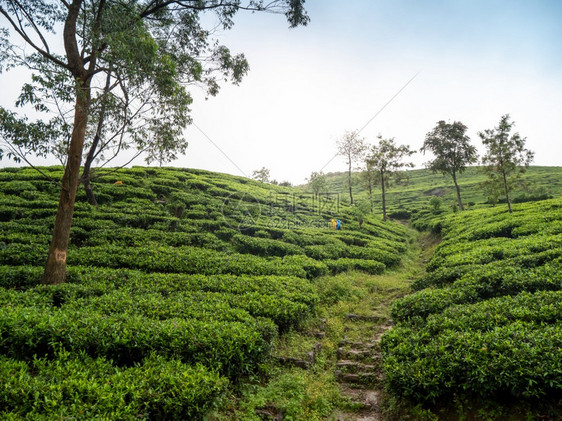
(119, 183)
(333, 224)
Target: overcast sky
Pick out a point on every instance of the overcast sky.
(475, 61)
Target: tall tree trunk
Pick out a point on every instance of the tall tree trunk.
(506, 187)
(85, 178)
(55, 268)
(89, 192)
(461, 207)
(371, 195)
(349, 183)
(383, 188)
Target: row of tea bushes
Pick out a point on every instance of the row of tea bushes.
(484, 282)
(485, 320)
(234, 348)
(284, 300)
(76, 386)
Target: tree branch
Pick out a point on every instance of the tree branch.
(22, 33)
(21, 155)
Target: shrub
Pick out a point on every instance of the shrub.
(344, 264)
(234, 348)
(264, 246)
(81, 387)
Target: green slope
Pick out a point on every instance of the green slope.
(485, 321)
(536, 183)
(178, 282)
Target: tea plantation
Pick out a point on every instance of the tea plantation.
(180, 281)
(413, 194)
(486, 320)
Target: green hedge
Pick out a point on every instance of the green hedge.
(264, 246)
(521, 360)
(80, 387)
(484, 282)
(343, 265)
(234, 348)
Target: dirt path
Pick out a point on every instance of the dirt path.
(358, 366)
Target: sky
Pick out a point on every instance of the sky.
(470, 61)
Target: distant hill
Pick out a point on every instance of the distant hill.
(537, 183)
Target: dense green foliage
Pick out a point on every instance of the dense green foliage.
(179, 283)
(485, 320)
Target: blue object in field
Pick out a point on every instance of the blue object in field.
(338, 226)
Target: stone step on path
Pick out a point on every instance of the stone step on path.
(358, 371)
(358, 355)
(350, 366)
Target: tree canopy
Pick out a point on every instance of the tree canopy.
(262, 175)
(506, 156)
(385, 159)
(452, 149)
(119, 78)
(317, 182)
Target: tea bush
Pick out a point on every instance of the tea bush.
(75, 386)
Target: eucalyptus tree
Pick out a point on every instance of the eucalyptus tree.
(506, 157)
(352, 148)
(84, 51)
(452, 149)
(386, 159)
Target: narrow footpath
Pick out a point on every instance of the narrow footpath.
(358, 367)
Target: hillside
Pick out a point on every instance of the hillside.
(193, 294)
(179, 282)
(484, 324)
(421, 185)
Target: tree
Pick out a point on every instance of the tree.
(506, 157)
(360, 210)
(352, 148)
(435, 204)
(452, 149)
(369, 177)
(261, 175)
(317, 182)
(492, 187)
(141, 44)
(386, 159)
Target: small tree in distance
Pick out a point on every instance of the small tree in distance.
(452, 149)
(261, 175)
(360, 210)
(317, 182)
(506, 157)
(386, 159)
(369, 177)
(352, 148)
